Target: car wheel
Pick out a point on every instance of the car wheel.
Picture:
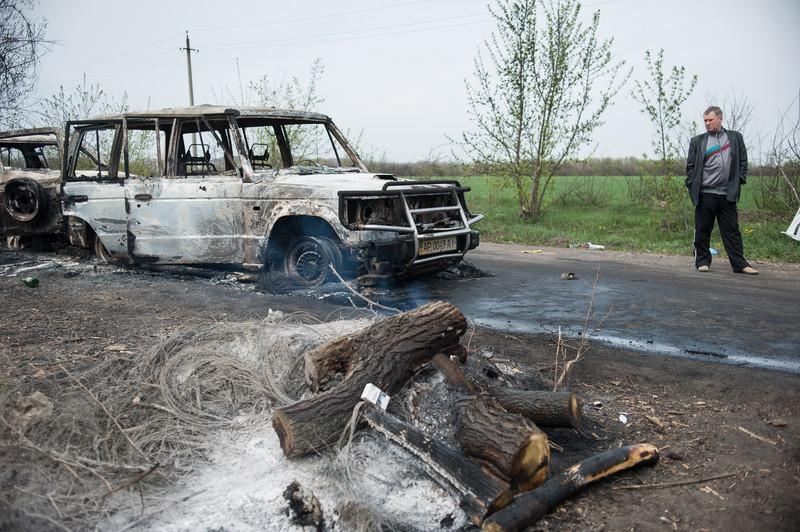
(25, 200)
(308, 259)
(101, 252)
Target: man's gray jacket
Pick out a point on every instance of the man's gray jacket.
(696, 159)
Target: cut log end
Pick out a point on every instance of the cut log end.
(575, 411)
(531, 464)
(283, 429)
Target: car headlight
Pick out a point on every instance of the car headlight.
(358, 212)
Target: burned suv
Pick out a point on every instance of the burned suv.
(252, 187)
(30, 179)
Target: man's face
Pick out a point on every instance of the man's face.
(713, 122)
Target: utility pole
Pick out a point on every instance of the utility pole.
(189, 51)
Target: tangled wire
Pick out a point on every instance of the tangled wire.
(81, 444)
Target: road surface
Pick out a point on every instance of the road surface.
(651, 303)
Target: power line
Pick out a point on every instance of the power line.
(367, 33)
(168, 37)
(117, 55)
(314, 17)
(96, 78)
(316, 39)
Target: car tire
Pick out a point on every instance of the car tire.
(308, 259)
(25, 200)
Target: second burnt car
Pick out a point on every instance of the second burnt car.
(252, 187)
(30, 180)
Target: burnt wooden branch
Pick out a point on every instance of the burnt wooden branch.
(480, 492)
(511, 446)
(528, 507)
(386, 354)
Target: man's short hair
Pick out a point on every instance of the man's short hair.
(713, 109)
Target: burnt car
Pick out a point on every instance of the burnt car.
(254, 188)
(30, 180)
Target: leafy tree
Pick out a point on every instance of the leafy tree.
(21, 44)
(662, 97)
(540, 93)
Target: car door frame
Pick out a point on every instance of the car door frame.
(192, 219)
(97, 202)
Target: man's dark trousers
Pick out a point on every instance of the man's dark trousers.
(711, 207)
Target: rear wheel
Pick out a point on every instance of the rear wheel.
(308, 260)
(25, 200)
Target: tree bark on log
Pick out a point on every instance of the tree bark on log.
(528, 507)
(480, 492)
(387, 354)
(511, 446)
(324, 363)
(546, 409)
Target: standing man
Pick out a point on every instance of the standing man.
(716, 168)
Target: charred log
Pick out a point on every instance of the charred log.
(480, 492)
(528, 507)
(509, 445)
(387, 354)
(453, 375)
(325, 363)
(547, 409)
(304, 507)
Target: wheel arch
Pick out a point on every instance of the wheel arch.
(292, 226)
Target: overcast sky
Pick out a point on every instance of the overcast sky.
(395, 69)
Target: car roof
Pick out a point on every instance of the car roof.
(41, 136)
(197, 111)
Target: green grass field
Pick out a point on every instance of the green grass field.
(602, 210)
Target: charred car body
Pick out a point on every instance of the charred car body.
(30, 180)
(252, 187)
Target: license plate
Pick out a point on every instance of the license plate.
(438, 245)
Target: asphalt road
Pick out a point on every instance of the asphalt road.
(652, 303)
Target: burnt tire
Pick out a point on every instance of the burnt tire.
(308, 260)
(25, 200)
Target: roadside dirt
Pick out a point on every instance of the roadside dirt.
(708, 420)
